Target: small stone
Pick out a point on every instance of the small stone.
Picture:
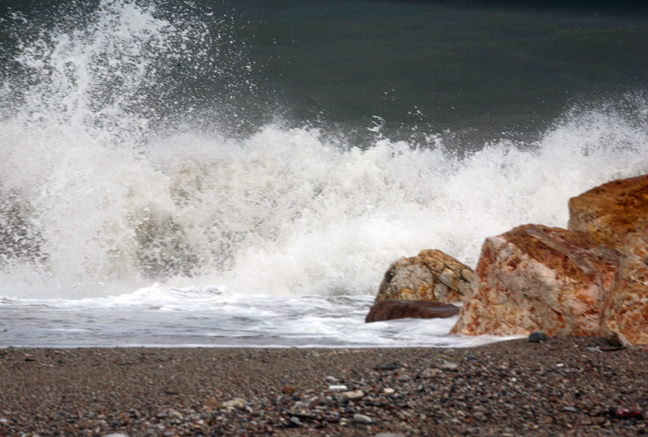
(617, 339)
(339, 387)
(331, 379)
(294, 421)
(211, 403)
(352, 394)
(388, 390)
(287, 390)
(389, 434)
(388, 366)
(593, 349)
(173, 414)
(119, 434)
(361, 418)
(537, 337)
(234, 403)
(449, 366)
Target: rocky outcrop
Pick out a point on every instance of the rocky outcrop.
(608, 213)
(432, 276)
(539, 278)
(588, 280)
(390, 309)
(625, 310)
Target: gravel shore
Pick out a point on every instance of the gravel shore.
(563, 386)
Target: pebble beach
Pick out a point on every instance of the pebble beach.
(562, 386)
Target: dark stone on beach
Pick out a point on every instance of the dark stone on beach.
(391, 309)
(388, 366)
(537, 337)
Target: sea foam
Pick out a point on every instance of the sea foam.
(115, 174)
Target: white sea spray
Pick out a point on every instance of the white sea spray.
(113, 177)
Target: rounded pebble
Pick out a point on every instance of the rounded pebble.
(537, 337)
(361, 418)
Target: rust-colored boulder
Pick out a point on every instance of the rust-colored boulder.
(390, 309)
(538, 278)
(609, 212)
(432, 275)
(625, 310)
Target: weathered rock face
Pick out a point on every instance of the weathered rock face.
(432, 276)
(611, 211)
(625, 310)
(538, 278)
(390, 309)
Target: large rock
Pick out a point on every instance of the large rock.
(390, 309)
(625, 311)
(611, 211)
(432, 276)
(539, 278)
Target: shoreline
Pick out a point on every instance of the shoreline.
(564, 386)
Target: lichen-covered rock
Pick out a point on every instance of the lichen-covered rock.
(625, 310)
(390, 309)
(432, 275)
(609, 212)
(538, 278)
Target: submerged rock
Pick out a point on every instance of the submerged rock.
(432, 276)
(400, 309)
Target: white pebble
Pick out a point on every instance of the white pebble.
(388, 391)
(337, 387)
(352, 394)
(449, 366)
(234, 403)
(362, 418)
(173, 414)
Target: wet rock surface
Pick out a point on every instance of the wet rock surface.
(390, 309)
(563, 386)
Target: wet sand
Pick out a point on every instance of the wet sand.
(564, 386)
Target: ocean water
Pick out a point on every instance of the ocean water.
(242, 173)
